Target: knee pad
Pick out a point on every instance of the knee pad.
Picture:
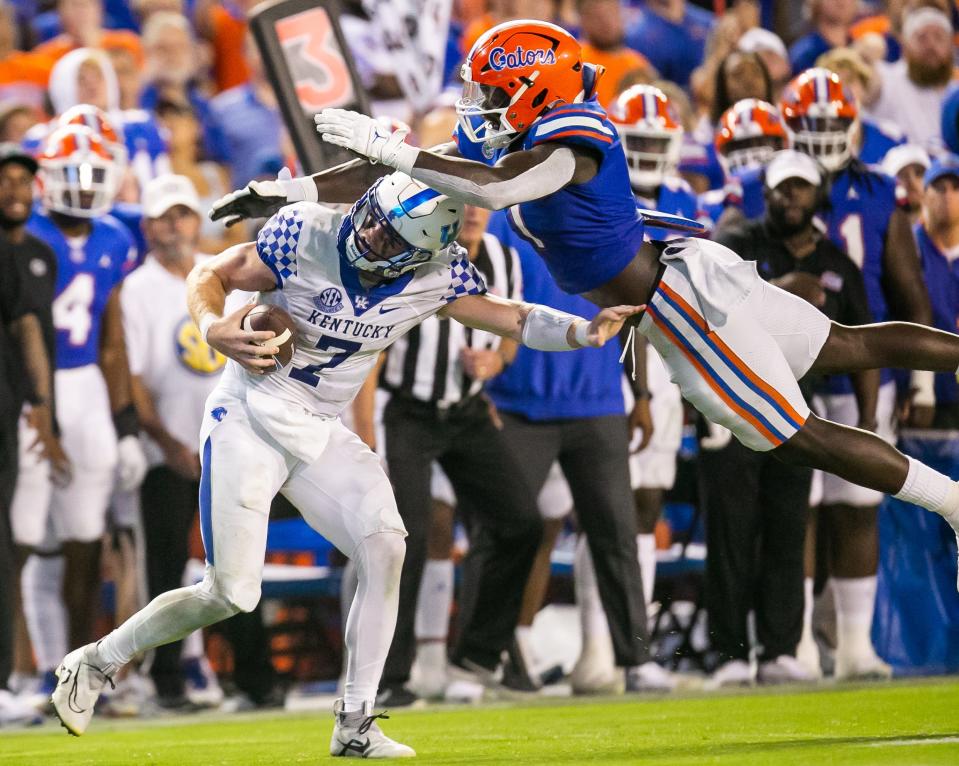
(384, 550)
(237, 594)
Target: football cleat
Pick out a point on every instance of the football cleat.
(80, 679)
(785, 669)
(861, 666)
(730, 674)
(357, 735)
(650, 677)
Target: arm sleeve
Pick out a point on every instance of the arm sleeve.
(464, 280)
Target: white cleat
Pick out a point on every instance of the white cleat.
(80, 679)
(785, 669)
(807, 652)
(595, 671)
(730, 674)
(356, 735)
(651, 677)
(864, 665)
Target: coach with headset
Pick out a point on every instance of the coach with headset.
(756, 525)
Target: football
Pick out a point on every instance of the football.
(266, 317)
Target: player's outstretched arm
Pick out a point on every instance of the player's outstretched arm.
(237, 268)
(518, 177)
(536, 326)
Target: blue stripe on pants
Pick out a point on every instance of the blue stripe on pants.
(206, 503)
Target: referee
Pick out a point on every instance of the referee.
(437, 411)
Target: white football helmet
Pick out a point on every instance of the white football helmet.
(399, 224)
(78, 173)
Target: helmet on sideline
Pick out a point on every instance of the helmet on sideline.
(78, 174)
(821, 116)
(750, 132)
(399, 224)
(651, 131)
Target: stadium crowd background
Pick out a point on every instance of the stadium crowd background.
(183, 92)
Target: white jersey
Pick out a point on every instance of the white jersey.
(342, 325)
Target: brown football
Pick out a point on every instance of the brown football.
(266, 317)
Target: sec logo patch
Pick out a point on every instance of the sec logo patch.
(329, 301)
(193, 352)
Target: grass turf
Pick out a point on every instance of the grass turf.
(896, 723)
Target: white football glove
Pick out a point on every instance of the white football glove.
(132, 463)
(261, 199)
(367, 137)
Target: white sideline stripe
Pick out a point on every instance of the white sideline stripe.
(912, 741)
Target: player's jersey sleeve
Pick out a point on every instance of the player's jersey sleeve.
(298, 233)
(575, 124)
(464, 280)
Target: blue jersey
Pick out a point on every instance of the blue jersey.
(587, 233)
(87, 271)
(130, 214)
(546, 386)
(941, 275)
(861, 201)
(877, 139)
(676, 197)
(743, 191)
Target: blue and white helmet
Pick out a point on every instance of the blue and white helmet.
(399, 224)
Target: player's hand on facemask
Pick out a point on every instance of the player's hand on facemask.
(132, 463)
(243, 346)
(261, 199)
(364, 135)
(607, 324)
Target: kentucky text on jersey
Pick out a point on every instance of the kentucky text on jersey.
(499, 59)
(349, 326)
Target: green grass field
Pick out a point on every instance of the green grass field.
(897, 723)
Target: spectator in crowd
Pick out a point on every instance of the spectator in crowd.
(499, 11)
(738, 76)
(908, 165)
(602, 33)
(772, 50)
(248, 119)
(831, 21)
(671, 34)
(938, 238)
(875, 136)
(755, 527)
(81, 22)
(571, 410)
(23, 75)
(172, 372)
(912, 89)
(15, 120)
(210, 179)
(224, 26)
(128, 67)
(27, 274)
(437, 411)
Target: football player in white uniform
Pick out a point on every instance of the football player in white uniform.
(353, 284)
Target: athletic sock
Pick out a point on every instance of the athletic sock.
(41, 586)
(855, 602)
(809, 602)
(926, 487)
(434, 601)
(591, 613)
(646, 550)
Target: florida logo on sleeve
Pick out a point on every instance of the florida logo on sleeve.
(193, 352)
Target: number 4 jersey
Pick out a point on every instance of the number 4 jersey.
(88, 268)
(342, 323)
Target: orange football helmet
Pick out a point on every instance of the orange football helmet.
(78, 175)
(749, 133)
(821, 116)
(96, 119)
(651, 131)
(513, 75)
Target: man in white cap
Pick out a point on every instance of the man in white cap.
(791, 253)
(913, 87)
(908, 164)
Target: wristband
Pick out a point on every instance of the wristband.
(404, 158)
(547, 329)
(126, 422)
(581, 333)
(923, 383)
(205, 321)
(300, 189)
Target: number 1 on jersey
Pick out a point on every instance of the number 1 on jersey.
(344, 348)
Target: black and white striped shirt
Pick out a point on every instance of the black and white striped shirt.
(425, 363)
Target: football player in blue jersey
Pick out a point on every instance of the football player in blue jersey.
(558, 165)
(652, 137)
(862, 216)
(77, 178)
